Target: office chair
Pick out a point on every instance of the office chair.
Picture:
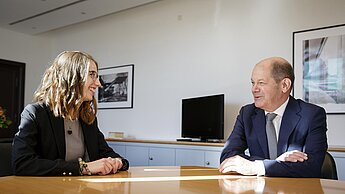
(5, 155)
(329, 169)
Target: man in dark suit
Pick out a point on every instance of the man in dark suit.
(300, 128)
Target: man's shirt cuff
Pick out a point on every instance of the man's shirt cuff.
(259, 165)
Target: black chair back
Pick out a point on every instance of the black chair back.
(329, 169)
(5, 157)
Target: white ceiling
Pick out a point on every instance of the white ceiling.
(38, 16)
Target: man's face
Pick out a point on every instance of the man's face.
(266, 92)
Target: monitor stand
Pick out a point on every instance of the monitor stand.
(192, 139)
(184, 139)
(199, 140)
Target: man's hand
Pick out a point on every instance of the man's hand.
(238, 164)
(105, 166)
(293, 156)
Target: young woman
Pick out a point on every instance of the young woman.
(58, 133)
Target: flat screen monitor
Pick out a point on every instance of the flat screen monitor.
(203, 117)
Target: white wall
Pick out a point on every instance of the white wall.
(187, 48)
(35, 52)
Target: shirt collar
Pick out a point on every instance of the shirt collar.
(280, 110)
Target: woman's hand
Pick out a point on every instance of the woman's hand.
(104, 166)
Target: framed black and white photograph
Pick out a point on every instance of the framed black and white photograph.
(117, 87)
(319, 65)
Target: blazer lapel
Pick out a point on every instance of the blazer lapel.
(58, 130)
(288, 124)
(259, 126)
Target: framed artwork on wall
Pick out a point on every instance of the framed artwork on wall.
(319, 65)
(117, 87)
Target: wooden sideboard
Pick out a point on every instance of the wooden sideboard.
(332, 148)
(168, 153)
(184, 153)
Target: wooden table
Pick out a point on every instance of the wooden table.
(165, 180)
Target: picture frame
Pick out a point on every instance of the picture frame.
(319, 66)
(117, 87)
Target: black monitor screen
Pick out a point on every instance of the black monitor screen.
(203, 117)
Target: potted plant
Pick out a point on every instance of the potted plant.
(5, 122)
(6, 133)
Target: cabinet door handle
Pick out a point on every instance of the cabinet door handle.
(207, 163)
(150, 158)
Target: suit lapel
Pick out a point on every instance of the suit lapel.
(259, 125)
(58, 130)
(288, 124)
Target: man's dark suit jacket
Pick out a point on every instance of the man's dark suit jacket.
(39, 147)
(303, 127)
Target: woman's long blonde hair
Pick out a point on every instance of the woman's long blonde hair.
(62, 84)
